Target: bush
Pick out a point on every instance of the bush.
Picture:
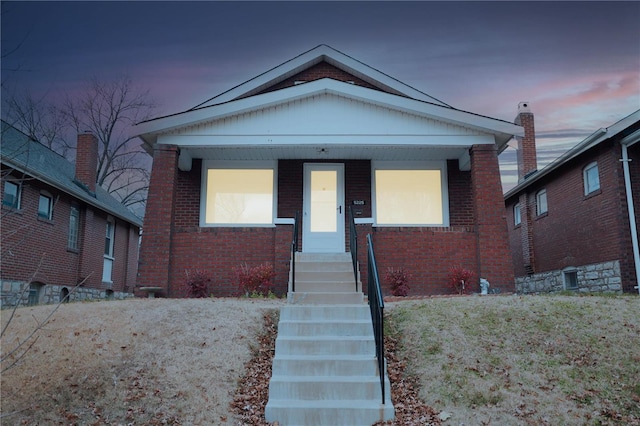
(398, 280)
(257, 280)
(459, 279)
(196, 283)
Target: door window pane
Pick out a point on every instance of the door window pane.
(324, 198)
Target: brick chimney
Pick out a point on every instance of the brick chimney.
(527, 161)
(87, 160)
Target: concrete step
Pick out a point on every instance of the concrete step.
(323, 286)
(323, 298)
(310, 266)
(325, 365)
(326, 387)
(346, 412)
(323, 257)
(325, 345)
(321, 312)
(325, 328)
(324, 276)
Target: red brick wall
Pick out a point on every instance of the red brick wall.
(28, 241)
(527, 159)
(494, 255)
(578, 229)
(460, 195)
(156, 247)
(316, 72)
(87, 160)
(629, 277)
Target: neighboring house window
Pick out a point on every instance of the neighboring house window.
(412, 193)
(108, 250)
(45, 206)
(35, 289)
(238, 193)
(74, 228)
(591, 178)
(570, 279)
(517, 219)
(11, 196)
(541, 202)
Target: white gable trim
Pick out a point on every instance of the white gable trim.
(313, 57)
(502, 130)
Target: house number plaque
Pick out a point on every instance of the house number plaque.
(358, 202)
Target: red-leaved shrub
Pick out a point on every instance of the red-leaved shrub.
(459, 279)
(196, 283)
(398, 280)
(255, 280)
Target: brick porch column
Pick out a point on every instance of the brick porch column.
(494, 254)
(155, 250)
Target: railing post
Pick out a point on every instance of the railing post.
(294, 249)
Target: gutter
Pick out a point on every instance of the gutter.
(629, 140)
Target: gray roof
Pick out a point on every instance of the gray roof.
(624, 126)
(31, 157)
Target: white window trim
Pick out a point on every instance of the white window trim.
(588, 167)
(109, 257)
(249, 165)
(412, 165)
(18, 193)
(539, 212)
(50, 212)
(517, 207)
(76, 233)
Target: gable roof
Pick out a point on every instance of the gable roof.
(28, 156)
(502, 130)
(306, 60)
(627, 129)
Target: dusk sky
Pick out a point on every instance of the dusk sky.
(577, 63)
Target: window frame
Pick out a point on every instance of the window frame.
(18, 196)
(73, 235)
(570, 272)
(49, 213)
(238, 165)
(539, 194)
(585, 177)
(517, 218)
(440, 166)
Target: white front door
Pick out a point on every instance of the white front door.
(323, 214)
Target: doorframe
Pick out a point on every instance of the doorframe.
(340, 192)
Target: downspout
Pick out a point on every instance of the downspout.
(632, 218)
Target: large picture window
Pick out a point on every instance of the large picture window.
(413, 195)
(238, 194)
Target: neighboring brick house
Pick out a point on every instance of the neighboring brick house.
(318, 134)
(59, 228)
(573, 225)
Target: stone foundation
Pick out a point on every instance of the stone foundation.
(599, 277)
(12, 294)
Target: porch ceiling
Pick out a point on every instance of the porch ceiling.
(329, 152)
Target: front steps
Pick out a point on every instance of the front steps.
(325, 370)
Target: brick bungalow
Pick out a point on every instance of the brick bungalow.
(573, 225)
(319, 134)
(60, 229)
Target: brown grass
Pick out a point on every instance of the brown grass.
(143, 361)
(538, 360)
(485, 360)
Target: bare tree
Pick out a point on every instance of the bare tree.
(40, 120)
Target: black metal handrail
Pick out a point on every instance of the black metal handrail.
(376, 306)
(353, 245)
(294, 249)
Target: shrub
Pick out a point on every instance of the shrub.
(398, 280)
(196, 283)
(459, 279)
(257, 280)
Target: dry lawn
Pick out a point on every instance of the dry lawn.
(142, 361)
(525, 360)
(500, 360)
